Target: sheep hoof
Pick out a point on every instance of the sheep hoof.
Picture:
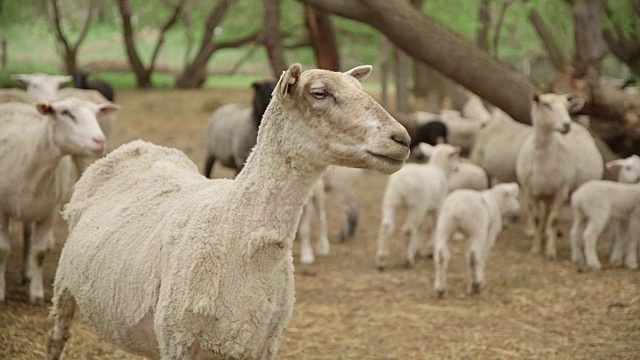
(475, 288)
(440, 294)
(37, 301)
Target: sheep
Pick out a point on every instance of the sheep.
(461, 131)
(317, 199)
(166, 263)
(593, 205)
(432, 133)
(80, 81)
(473, 108)
(479, 216)
(16, 95)
(549, 166)
(420, 188)
(232, 130)
(341, 181)
(42, 87)
(468, 175)
(628, 173)
(38, 173)
(106, 122)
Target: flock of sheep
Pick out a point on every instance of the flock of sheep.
(166, 263)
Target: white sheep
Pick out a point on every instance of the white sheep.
(166, 263)
(461, 131)
(593, 205)
(479, 216)
(550, 166)
(341, 181)
(315, 206)
(38, 174)
(628, 173)
(106, 122)
(43, 87)
(16, 95)
(588, 202)
(420, 189)
(468, 175)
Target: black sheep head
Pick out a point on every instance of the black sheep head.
(261, 98)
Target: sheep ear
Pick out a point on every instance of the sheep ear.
(425, 149)
(107, 109)
(575, 102)
(613, 165)
(456, 151)
(535, 97)
(288, 81)
(45, 108)
(64, 79)
(360, 72)
(25, 78)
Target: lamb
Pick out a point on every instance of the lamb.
(341, 181)
(233, 128)
(461, 131)
(549, 166)
(593, 205)
(432, 133)
(168, 264)
(468, 175)
(42, 87)
(628, 173)
(39, 174)
(80, 81)
(479, 216)
(421, 189)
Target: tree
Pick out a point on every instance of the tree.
(271, 37)
(323, 37)
(622, 33)
(142, 72)
(70, 50)
(194, 73)
(434, 44)
(556, 54)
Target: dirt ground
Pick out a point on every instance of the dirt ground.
(346, 309)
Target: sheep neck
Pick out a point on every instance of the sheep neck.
(278, 176)
(542, 135)
(47, 154)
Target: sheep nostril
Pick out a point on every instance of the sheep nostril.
(401, 139)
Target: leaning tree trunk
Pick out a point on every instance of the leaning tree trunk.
(402, 96)
(70, 50)
(555, 52)
(425, 39)
(272, 39)
(323, 37)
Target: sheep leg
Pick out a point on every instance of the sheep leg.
(387, 225)
(630, 234)
(441, 257)
(5, 249)
(577, 237)
(527, 213)
(36, 257)
(538, 211)
(592, 231)
(350, 221)
(208, 165)
(322, 247)
(617, 242)
(551, 248)
(304, 232)
(412, 235)
(27, 233)
(476, 262)
(62, 313)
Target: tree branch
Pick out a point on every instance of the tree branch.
(556, 55)
(85, 26)
(165, 27)
(499, 22)
(239, 41)
(58, 26)
(214, 19)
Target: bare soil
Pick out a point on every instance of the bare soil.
(346, 309)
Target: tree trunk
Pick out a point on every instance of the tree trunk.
(425, 39)
(555, 52)
(272, 39)
(625, 45)
(323, 38)
(70, 51)
(402, 101)
(484, 16)
(385, 52)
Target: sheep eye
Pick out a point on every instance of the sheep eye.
(319, 93)
(67, 113)
(547, 105)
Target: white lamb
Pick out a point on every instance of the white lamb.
(596, 203)
(479, 216)
(461, 131)
(628, 173)
(420, 189)
(550, 166)
(16, 95)
(341, 181)
(38, 174)
(468, 175)
(43, 87)
(168, 264)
